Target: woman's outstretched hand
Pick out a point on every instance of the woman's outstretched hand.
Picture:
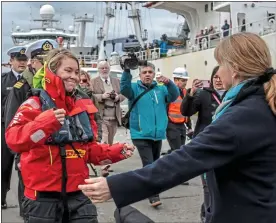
(96, 189)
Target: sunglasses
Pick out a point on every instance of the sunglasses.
(83, 80)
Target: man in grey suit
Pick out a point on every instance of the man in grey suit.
(107, 92)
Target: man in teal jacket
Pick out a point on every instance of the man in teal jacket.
(148, 119)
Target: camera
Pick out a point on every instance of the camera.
(112, 95)
(131, 62)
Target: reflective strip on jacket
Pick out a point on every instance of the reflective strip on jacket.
(174, 112)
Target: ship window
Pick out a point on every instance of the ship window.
(206, 7)
(212, 6)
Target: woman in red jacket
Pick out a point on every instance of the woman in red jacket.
(55, 132)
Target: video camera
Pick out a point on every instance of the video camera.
(131, 62)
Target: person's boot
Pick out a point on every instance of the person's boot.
(155, 202)
(4, 205)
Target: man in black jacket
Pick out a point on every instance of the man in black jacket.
(204, 101)
(18, 61)
(18, 94)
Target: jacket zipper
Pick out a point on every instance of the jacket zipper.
(155, 97)
(155, 114)
(51, 157)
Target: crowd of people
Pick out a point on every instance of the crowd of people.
(56, 120)
(212, 34)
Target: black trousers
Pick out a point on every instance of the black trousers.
(20, 192)
(20, 185)
(6, 165)
(176, 135)
(49, 208)
(206, 202)
(149, 151)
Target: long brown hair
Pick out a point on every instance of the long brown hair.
(248, 55)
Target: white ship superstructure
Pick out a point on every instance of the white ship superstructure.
(197, 57)
(47, 27)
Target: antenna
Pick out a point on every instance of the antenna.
(30, 17)
(60, 15)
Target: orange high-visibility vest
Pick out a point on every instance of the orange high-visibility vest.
(174, 113)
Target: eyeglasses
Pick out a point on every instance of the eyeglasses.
(102, 68)
(83, 80)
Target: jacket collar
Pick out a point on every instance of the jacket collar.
(153, 84)
(53, 85)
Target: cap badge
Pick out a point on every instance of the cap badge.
(22, 51)
(47, 46)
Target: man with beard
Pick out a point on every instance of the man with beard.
(18, 61)
(106, 90)
(18, 94)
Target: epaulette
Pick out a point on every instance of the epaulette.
(19, 83)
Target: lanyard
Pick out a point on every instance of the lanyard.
(216, 98)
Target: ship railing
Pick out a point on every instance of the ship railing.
(265, 26)
(87, 60)
(149, 54)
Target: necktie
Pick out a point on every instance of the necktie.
(106, 81)
(18, 77)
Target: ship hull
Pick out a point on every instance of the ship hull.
(200, 64)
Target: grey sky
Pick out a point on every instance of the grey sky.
(157, 22)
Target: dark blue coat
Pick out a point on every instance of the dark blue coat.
(238, 150)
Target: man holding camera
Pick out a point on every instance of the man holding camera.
(148, 119)
(107, 92)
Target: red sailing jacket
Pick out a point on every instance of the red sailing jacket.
(40, 163)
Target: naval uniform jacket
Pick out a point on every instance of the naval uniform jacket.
(17, 95)
(7, 82)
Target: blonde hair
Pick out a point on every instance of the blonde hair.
(248, 55)
(55, 57)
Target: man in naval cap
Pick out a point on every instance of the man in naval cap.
(36, 52)
(18, 61)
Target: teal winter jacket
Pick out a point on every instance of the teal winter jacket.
(148, 119)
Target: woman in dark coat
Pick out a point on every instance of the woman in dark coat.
(204, 102)
(237, 150)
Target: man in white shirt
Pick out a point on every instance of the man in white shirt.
(107, 91)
